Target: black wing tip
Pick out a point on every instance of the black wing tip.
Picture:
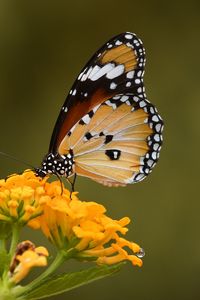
(128, 37)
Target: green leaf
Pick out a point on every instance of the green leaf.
(68, 281)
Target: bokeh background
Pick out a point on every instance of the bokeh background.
(43, 46)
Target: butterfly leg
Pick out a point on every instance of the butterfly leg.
(72, 184)
(61, 183)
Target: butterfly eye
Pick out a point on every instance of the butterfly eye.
(107, 129)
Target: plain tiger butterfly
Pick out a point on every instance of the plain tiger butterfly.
(107, 130)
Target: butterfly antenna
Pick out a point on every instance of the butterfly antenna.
(16, 159)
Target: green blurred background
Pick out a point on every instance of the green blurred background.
(43, 46)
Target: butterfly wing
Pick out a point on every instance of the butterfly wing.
(112, 129)
(115, 68)
(121, 142)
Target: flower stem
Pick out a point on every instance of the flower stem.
(13, 245)
(59, 259)
(2, 245)
(15, 239)
(3, 256)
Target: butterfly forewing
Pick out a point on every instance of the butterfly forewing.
(113, 131)
(115, 68)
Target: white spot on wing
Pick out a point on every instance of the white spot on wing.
(115, 154)
(116, 97)
(124, 98)
(128, 36)
(129, 45)
(140, 177)
(80, 75)
(117, 43)
(128, 84)
(96, 107)
(158, 127)
(86, 119)
(152, 110)
(157, 137)
(135, 98)
(156, 146)
(102, 71)
(130, 74)
(137, 43)
(155, 118)
(113, 105)
(137, 81)
(150, 162)
(113, 86)
(142, 103)
(94, 71)
(117, 71)
(86, 75)
(154, 155)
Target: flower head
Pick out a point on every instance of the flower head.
(27, 256)
(20, 197)
(84, 229)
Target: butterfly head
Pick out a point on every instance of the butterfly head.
(40, 172)
(61, 165)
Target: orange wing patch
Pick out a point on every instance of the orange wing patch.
(121, 55)
(98, 178)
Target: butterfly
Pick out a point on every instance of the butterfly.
(107, 130)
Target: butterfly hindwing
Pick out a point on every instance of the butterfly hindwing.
(115, 68)
(120, 144)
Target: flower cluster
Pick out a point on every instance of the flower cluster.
(79, 229)
(20, 197)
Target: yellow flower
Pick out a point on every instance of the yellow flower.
(27, 256)
(20, 197)
(82, 229)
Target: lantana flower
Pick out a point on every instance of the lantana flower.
(26, 257)
(20, 197)
(79, 229)
(70, 223)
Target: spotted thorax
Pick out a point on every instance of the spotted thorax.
(56, 164)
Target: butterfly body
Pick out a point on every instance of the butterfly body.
(61, 165)
(107, 130)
